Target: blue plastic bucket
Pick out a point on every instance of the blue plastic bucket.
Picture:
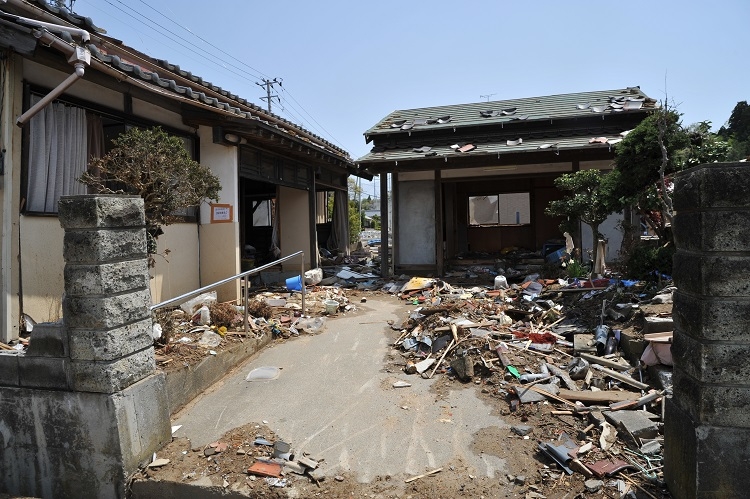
(294, 283)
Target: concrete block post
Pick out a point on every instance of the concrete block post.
(707, 427)
(84, 406)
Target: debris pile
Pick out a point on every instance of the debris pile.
(241, 460)
(554, 351)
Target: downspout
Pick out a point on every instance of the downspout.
(80, 57)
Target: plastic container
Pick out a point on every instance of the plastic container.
(501, 282)
(331, 306)
(294, 283)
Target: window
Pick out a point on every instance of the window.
(62, 138)
(500, 209)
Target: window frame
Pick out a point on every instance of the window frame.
(499, 222)
(105, 112)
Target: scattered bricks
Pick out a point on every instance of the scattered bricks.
(9, 367)
(49, 339)
(106, 312)
(107, 278)
(43, 372)
(104, 245)
(634, 422)
(110, 344)
(657, 325)
(113, 376)
(101, 210)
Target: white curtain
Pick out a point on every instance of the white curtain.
(58, 155)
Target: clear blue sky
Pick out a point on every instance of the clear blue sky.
(346, 63)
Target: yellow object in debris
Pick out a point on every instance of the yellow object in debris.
(416, 283)
(222, 330)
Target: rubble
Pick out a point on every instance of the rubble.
(550, 346)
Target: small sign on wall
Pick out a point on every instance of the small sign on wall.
(221, 213)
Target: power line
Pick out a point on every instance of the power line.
(268, 85)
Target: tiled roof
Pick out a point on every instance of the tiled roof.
(496, 147)
(229, 103)
(507, 112)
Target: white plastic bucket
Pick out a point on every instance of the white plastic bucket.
(331, 306)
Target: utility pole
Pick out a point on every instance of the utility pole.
(268, 85)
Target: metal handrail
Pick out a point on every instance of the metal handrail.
(244, 276)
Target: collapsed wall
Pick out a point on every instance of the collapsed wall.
(84, 406)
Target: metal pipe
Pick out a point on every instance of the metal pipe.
(85, 36)
(54, 93)
(302, 281)
(244, 304)
(190, 294)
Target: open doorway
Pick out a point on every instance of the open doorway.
(257, 215)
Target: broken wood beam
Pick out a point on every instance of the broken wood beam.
(437, 470)
(604, 362)
(622, 377)
(598, 397)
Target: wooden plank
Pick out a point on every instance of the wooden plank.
(601, 396)
(604, 362)
(659, 337)
(622, 377)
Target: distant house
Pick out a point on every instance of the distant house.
(276, 176)
(477, 177)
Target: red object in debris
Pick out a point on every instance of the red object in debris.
(608, 467)
(542, 338)
(596, 283)
(265, 468)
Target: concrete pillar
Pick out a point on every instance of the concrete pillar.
(83, 407)
(707, 431)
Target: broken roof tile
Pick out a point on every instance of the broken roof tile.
(467, 148)
(422, 149)
(444, 119)
(633, 105)
(583, 106)
(514, 142)
(598, 140)
(598, 109)
(510, 110)
(489, 114)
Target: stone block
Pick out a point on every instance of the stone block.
(9, 367)
(111, 376)
(110, 344)
(107, 278)
(632, 346)
(57, 443)
(720, 185)
(633, 422)
(712, 319)
(713, 231)
(712, 274)
(106, 312)
(43, 372)
(48, 339)
(704, 461)
(719, 363)
(718, 405)
(652, 324)
(101, 210)
(104, 245)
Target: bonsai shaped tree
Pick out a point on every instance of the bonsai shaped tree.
(156, 166)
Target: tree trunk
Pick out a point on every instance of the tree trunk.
(595, 240)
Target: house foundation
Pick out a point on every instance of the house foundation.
(83, 407)
(707, 432)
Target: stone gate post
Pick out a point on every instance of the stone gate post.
(84, 406)
(707, 424)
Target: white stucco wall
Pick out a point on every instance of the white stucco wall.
(220, 242)
(294, 208)
(612, 233)
(416, 223)
(178, 271)
(42, 267)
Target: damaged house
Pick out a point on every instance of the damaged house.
(476, 178)
(71, 89)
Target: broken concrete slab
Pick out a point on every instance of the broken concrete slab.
(657, 324)
(521, 430)
(634, 422)
(463, 367)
